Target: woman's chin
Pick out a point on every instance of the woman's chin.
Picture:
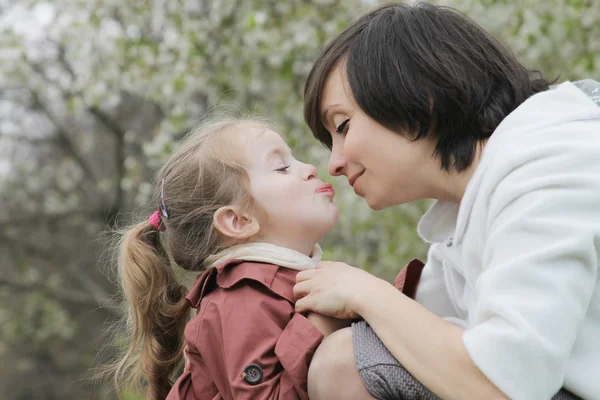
(377, 207)
(375, 203)
(386, 200)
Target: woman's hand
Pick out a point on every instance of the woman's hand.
(333, 288)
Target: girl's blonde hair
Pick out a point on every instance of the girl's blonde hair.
(205, 174)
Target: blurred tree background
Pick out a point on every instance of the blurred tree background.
(94, 95)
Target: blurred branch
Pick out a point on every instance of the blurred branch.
(36, 218)
(91, 287)
(30, 140)
(62, 59)
(119, 135)
(63, 136)
(68, 297)
(114, 128)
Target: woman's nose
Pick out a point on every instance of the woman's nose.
(337, 162)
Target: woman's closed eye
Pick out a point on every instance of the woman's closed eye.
(283, 169)
(341, 128)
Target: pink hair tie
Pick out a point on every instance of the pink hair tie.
(155, 220)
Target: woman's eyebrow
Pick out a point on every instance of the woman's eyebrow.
(326, 111)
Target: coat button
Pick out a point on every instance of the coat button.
(252, 374)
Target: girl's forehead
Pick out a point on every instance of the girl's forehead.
(260, 144)
(263, 135)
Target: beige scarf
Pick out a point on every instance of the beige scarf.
(268, 253)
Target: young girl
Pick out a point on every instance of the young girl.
(232, 202)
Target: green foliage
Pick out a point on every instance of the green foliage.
(130, 395)
(155, 67)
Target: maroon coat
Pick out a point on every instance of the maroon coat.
(246, 341)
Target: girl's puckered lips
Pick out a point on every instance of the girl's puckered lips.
(326, 188)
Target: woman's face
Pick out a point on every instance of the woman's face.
(382, 166)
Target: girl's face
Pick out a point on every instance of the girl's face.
(295, 209)
(382, 166)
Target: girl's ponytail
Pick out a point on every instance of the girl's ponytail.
(204, 174)
(157, 312)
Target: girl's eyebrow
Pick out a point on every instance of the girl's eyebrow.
(278, 151)
(273, 154)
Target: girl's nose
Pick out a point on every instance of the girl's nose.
(310, 172)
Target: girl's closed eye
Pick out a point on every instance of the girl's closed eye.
(283, 169)
(342, 128)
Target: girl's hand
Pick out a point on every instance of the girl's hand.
(327, 325)
(334, 289)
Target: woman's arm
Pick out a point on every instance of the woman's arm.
(430, 348)
(427, 346)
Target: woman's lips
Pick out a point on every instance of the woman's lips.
(352, 180)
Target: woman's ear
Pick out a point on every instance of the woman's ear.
(235, 223)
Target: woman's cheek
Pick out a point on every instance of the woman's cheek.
(352, 148)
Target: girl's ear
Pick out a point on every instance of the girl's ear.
(234, 223)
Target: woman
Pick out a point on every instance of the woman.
(420, 102)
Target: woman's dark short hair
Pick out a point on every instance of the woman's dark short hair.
(425, 69)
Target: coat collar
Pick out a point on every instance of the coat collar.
(277, 279)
